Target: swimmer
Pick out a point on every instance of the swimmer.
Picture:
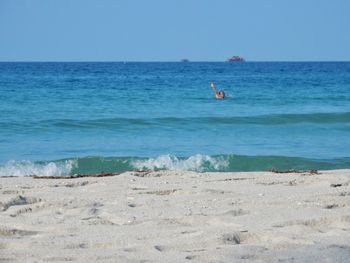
(218, 95)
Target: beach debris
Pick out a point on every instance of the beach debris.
(162, 192)
(336, 185)
(331, 206)
(293, 171)
(73, 184)
(341, 184)
(141, 173)
(314, 172)
(231, 179)
(75, 176)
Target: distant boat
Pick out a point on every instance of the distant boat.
(236, 59)
(185, 60)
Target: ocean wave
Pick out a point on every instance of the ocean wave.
(181, 122)
(27, 168)
(198, 163)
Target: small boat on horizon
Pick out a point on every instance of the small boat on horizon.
(236, 59)
(185, 60)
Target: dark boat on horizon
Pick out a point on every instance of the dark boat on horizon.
(236, 59)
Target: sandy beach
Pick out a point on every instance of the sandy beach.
(173, 216)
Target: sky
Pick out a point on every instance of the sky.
(170, 30)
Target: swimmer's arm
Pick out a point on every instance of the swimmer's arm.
(213, 87)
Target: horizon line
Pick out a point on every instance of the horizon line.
(167, 61)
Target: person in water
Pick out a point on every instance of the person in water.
(218, 95)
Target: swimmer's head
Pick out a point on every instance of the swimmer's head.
(222, 94)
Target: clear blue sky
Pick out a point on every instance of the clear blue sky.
(168, 30)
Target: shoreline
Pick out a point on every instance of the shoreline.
(145, 172)
(174, 216)
(90, 165)
(165, 172)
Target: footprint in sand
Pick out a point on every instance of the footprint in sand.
(231, 238)
(18, 200)
(239, 237)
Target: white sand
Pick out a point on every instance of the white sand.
(177, 217)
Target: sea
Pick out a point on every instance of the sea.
(59, 119)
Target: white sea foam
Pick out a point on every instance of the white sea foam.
(25, 168)
(199, 163)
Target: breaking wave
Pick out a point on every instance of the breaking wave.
(27, 168)
(198, 163)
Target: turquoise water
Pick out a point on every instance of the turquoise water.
(66, 118)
